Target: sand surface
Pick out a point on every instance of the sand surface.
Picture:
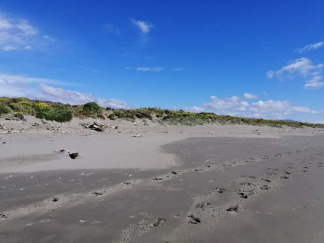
(154, 183)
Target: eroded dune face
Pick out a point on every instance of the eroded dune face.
(170, 184)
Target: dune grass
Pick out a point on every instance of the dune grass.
(65, 112)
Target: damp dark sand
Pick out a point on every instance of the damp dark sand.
(212, 189)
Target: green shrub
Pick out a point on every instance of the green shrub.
(5, 101)
(143, 114)
(4, 109)
(92, 108)
(17, 107)
(53, 112)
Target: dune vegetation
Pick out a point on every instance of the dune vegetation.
(64, 112)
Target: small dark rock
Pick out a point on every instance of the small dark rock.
(202, 205)
(73, 155)
(193, 219)
(158, 222)
(242, 195)
(233, 209)
(218, 189)
(55, 199)
(97, 193)
(266, 180)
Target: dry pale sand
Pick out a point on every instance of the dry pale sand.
(154, 183)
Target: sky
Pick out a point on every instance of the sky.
(262, 59)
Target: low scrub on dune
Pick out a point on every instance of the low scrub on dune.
(181, 117)
(53, 112)
(90, 109)
(65, 112)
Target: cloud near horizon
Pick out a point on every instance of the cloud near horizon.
(77, 98)
(235, 106)
(38, 88)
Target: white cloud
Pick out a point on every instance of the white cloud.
(147, 69)
(75, 98)
(18, 34)
(194, 109)
(301, 109)
(250, 96)
(218, 104)
(22, 79)
(144, 27)
(278, 107)
(302, 67)
(24, 88)
(232, 105)
(275, 109)
(314, 83)
(310, 47)
(4, 24)
(9, 48)
(270, 106)
(270, 74)
(177, 69)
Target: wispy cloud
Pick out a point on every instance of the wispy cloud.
(148, 69)
(315, 82)
(49, 38)
(310, 47)
(250, 96)
(177, 69)
(23, 79)
(111, 28)
(300, 67)
(18, 34)
(143, 27)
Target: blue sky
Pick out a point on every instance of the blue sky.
(245, 58)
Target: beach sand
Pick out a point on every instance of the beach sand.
(155, 183)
